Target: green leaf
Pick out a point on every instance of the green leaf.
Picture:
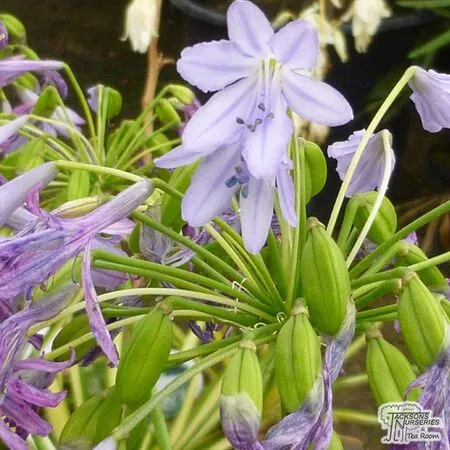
(431, 46)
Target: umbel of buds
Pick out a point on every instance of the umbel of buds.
(325, 279)
(298, 361)
(389, 371)
(145, 358)
(422, 321)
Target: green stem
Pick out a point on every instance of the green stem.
(161, 431)
(350, 415)
(398, 272)
(401, 234)
(409, 73)
(382, 289)
(351, 381)
(347, 224)
(376, 312)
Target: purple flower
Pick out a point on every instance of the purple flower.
(3, 36)
(13, 193)
(37, 252)
(14, 67)
(259, 74)
(9, 135)
(313, 422)
(431, 95)
(53, 78)
(370, 169)
(218, 179)
(24, 383)
(240, 421)
(93, 98)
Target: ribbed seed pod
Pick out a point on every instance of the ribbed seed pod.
(389, 371)
(385, 222)
(145, 358)
(243, 374)
(325, 280)
(181, 93)
(422, 321)
(316, 169)
(298, 361)
(166, 113)
(409, 254)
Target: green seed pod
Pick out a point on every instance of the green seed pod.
(389, 371)
(113, 100)
(445, 304)
(79, 185)
(385, 222)
(77, 327)
(298, 361)
(243, 374)
(409, 254)
(159, 145)
(336, 443)
(422, 321)
(16, 30)
(145, 358)
(110, 412)
(181, 93)
(81, 427)
(166, 113)
(316, 170)
(325, 280)
(47, 102)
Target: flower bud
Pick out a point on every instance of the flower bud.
(243, 374)
(385, 222)
(389, 371)
(422, 321)
(409, 254)
(145, 357)
(16, 31)
(298, 361)
(181, 93)
(325, 279)
(47, 102)
(79, 185)
(316, 170)
(166, 113)
(81, 427)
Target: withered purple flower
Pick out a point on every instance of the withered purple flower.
(13, 67)
(4, 38)
(370, 169)
(431, 95)
(36, 253)
(260, 74)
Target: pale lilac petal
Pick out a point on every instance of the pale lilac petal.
(370, 168)
(107, 444)
(208, 193)
(431, 96)
(180, 156)
(13, 193)
(122, 227)
(215, 123)
(286, 195)
(11, 439)
(20, 218)
(9, 129)
(93, 98)
(249, 28)
(30, 394)
(296, 45)
(94, 313)
(240, 421)
(256, 213)
(266, 146)
(211, 66)
(315, 100)
(44, 365)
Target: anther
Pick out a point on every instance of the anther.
(239, 121)
(262, 107)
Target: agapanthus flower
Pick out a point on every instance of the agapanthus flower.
(141, 24)
(35, 254)
(370, 168)
(4, 38)
(23, 383)
(219, 178)
(53, 78)
(431, 95)
(15, 66)
(367, 16)
(313, 422)
(435, 382)
(9, 135)
(260, 74)
(93, 98)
